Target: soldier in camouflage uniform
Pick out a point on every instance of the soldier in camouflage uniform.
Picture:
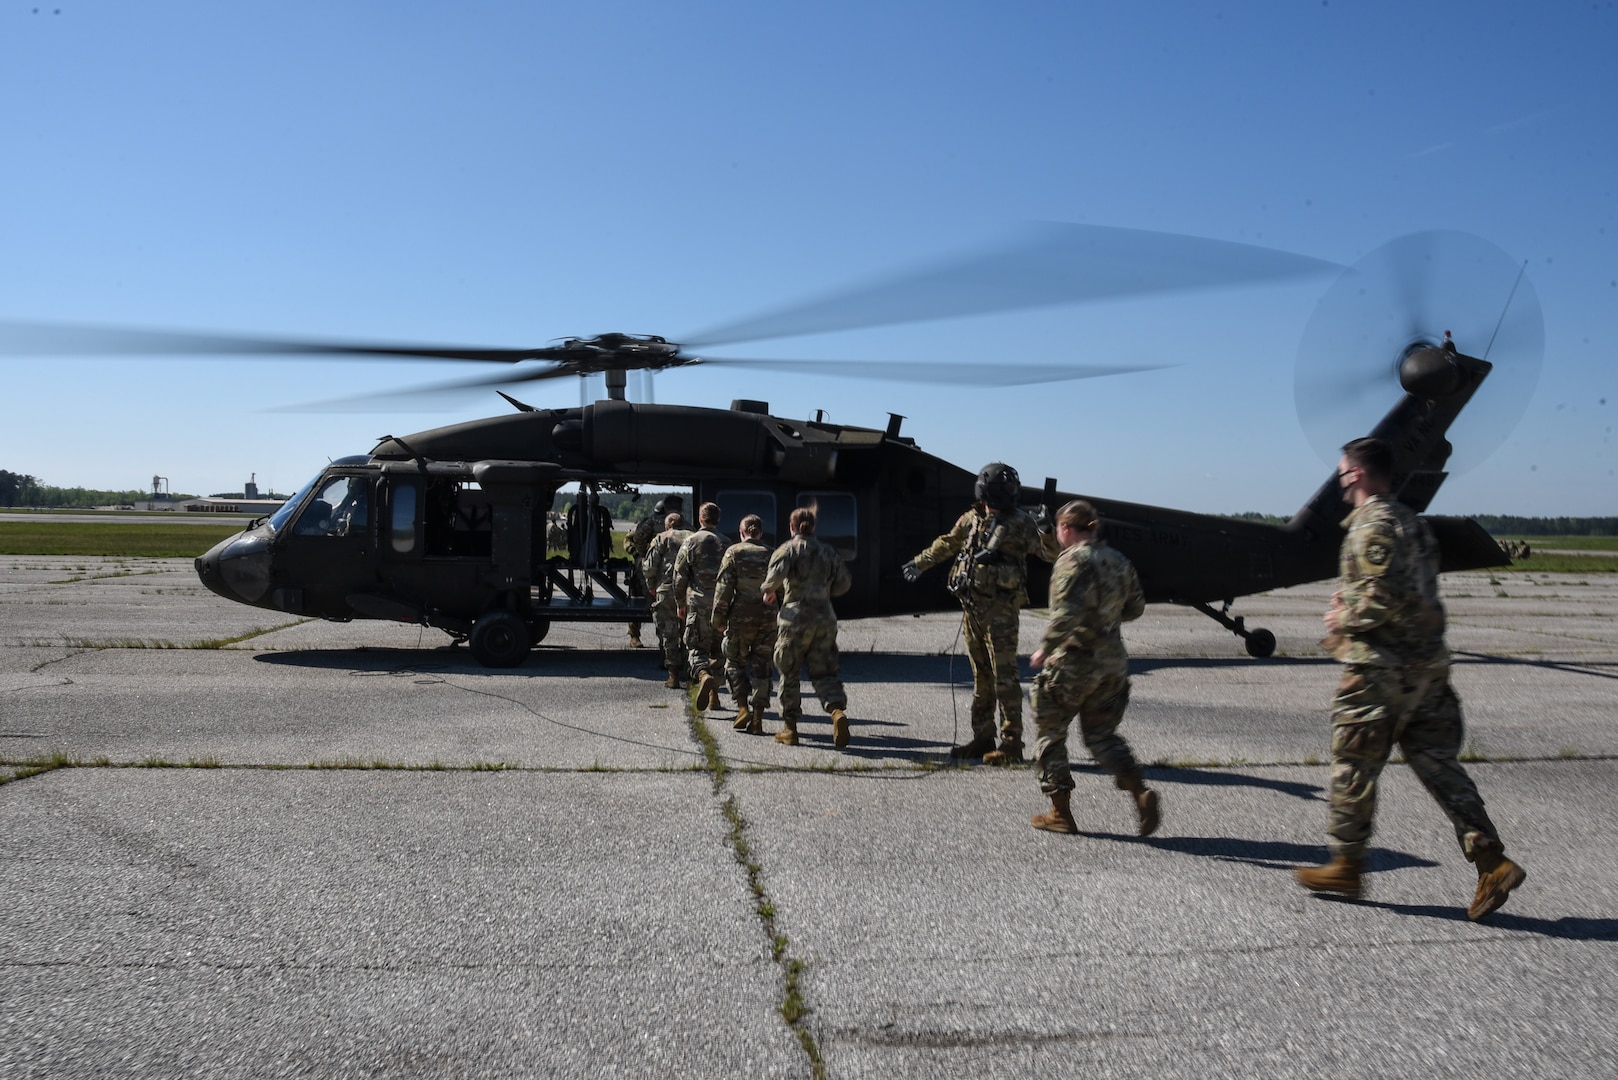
(748, 624)
(665, 609)
(804, 574)
(696, 569)
(1084, 669)
(636, 544)
(1386, 625)
(988, 551)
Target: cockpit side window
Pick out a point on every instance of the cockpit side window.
(341, 507)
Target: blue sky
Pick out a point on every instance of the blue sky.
(509, 173)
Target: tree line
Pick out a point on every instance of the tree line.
(20, 489)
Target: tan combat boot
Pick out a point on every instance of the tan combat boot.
(634, 640)
(1145, 805)
(707, 692)
(1009, 752)
(1497, 876)
(1059, 818)
(839, 728)
(1341, 875)
(672, 682)
(788, 735)
(755, 725)
(744, 718)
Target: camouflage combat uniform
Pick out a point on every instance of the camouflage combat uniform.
(806, 573)
(636, 544)
(1094, 590)
(1395, 687)
(665, 609)
(991, 594)
(749, 622)
(696, 568)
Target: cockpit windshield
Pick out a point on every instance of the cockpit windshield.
(279, 519)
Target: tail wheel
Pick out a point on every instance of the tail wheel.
(499, 640)
(1260, 644)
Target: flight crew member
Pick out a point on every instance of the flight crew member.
(636, 545)
(747, 623)
(804, 574)
(696, 569)
(665, 608)
(1084, 669)
(1386, 625)
(988, 550)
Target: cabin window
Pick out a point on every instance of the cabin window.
(458, 519)
(341, 507)
(402, 528)
(836, 520)
(735, 505)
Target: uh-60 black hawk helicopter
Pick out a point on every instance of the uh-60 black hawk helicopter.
(448, 527)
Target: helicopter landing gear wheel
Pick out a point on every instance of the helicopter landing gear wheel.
(499, 639)
(1260, 644)
(537, 629)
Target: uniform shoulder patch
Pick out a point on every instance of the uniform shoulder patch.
(1374, 552)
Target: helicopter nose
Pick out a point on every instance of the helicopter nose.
(238, 567)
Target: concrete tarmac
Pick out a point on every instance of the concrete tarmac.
(241, 844)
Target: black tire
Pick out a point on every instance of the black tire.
(499, 640)
(537, 629)
(1261, 644)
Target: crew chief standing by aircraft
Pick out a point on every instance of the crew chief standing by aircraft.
(1386, 625)
(989, 546)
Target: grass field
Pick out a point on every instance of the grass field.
(152, 540)
(163, 540)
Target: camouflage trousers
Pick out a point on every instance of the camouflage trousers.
(637, 588)
(990, 629)
(666, 617)
(1098, 697)
(748, 654)
(701, 643)
(804, 642)
(1416, 709)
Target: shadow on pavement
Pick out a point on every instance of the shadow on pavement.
(1271, 854)
(1568, 927)
(1543, 665)
(1226, 778)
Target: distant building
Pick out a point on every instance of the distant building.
(215, 505)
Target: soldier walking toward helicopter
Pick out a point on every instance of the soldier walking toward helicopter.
(1386, 625)
(696, 571)
(803, 576)
(1084, 669)
(637, 544)
(665, 608)
(747, 622)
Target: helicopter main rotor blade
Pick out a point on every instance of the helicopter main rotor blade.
(989, 374)
(426, 398)
(1054, 263)
(52, 339)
